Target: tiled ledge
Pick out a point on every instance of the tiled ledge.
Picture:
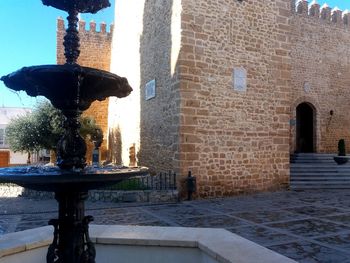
(219, 244)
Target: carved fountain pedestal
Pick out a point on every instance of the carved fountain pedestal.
(70, 88)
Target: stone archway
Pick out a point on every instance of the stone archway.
(305, 128)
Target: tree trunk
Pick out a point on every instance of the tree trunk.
(53, 157)
(28, 159)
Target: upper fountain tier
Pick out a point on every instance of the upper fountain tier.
(68, 86)
(82, 6)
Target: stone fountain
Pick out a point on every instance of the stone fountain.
(70, 88)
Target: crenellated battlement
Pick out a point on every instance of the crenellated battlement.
(95, 44)
(324, 12)
(83, 27)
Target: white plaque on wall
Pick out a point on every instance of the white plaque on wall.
(239, 79)
(307, 87)
(150, 89)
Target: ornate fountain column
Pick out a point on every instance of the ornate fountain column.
(72, 243)
(71, 235)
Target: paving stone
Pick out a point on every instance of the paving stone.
(220, 221)
(341, 241)
(309, 227)
(153, 223)
(113, 211)
(262, 235)
(179, 210)
(343, 219)
(124, 219)
(40, 217)
(267, 216)
(31, 224)
(307, 252)
(315, 211)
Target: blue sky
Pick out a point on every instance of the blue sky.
(28, 37)
(342, 4)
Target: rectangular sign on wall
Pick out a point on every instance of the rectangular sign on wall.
(239, 79)
(150, 89)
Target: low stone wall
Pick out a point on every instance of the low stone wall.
(37, 194)
(151, 196)
(10, 190)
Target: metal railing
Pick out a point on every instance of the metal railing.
(161, 181)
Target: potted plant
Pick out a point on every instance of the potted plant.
(341, 158)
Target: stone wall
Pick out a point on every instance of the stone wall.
(320, 60)
(10, 190)
(235, 141)
(146, 196)
(95, 52)
(160, 118)
(124, 114)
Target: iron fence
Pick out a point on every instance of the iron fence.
(161, 181)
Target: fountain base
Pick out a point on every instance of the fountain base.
(134, 244)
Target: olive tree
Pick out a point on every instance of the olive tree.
(42, 129)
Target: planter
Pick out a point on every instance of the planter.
(341, 159)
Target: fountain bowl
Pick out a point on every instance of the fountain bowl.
(82, 6)
(67, 85)
(54, 179)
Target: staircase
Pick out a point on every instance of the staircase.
(318, 171)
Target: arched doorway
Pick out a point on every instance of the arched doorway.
(305, 128)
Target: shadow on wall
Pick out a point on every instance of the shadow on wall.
(159, 122)
(115, 146)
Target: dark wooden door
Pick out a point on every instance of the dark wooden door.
(4, 159)
(305, 128)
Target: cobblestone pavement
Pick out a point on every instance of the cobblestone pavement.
(308, 226)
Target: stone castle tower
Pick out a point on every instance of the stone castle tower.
(229, 89)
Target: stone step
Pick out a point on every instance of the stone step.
(320, 166)
(318, 171)
(315, 161)
(313, 155)
(312, 158)
(328, 157)
(318, 186)
(328, 160)
(324, 176)
(311, 172)
(318, 179)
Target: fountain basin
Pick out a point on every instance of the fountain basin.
(134, 244)
(53, 179)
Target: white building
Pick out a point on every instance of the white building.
(7, 157)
